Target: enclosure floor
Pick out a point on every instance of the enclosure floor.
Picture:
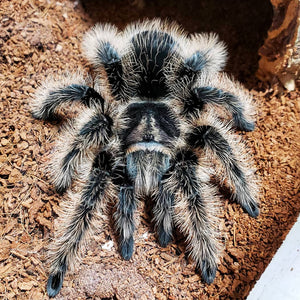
(39, 37)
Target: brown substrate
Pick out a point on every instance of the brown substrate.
(38, 36)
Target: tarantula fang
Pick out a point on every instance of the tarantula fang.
(158, 120)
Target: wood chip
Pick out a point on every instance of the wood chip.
(25, 286)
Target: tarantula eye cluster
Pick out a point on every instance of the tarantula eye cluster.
(158, 120)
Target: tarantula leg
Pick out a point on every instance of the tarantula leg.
(93, 133)
(113, 67)
(212, 95)
(125, 220)
(230, 101)
(193, 203)
(102, 47)
(55, 281)
(209, 137)
(48, 100)
(163, 214)
(78, 224)
(191, 67)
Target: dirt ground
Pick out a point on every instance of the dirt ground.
(37, 36)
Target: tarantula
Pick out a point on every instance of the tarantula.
(157, 120)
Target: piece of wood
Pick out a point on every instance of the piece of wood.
(280, 54)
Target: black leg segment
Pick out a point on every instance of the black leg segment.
(192, 215)
(78, 224)
(111, 61)
(93, 133)
(209, 137)
(55, 282)
(211, 95)
(124, 217)
(163, 213)
(55, 98)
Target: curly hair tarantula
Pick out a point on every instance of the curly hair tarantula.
(157, 120)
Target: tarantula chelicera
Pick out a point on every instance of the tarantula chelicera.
(158, 120)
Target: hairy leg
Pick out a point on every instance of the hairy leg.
(212, 95)
(61, 91)
(163, 212)
(124, 217)
(102, 46)
(221, 91)
(232, 156)
(195, 214)
(92, 131)
(78, 224)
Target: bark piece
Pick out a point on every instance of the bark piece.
(280, 54)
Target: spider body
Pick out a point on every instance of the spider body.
(154, 123)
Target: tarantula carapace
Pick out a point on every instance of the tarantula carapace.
(158, 120)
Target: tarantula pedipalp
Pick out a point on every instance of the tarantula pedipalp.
(149, 128)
